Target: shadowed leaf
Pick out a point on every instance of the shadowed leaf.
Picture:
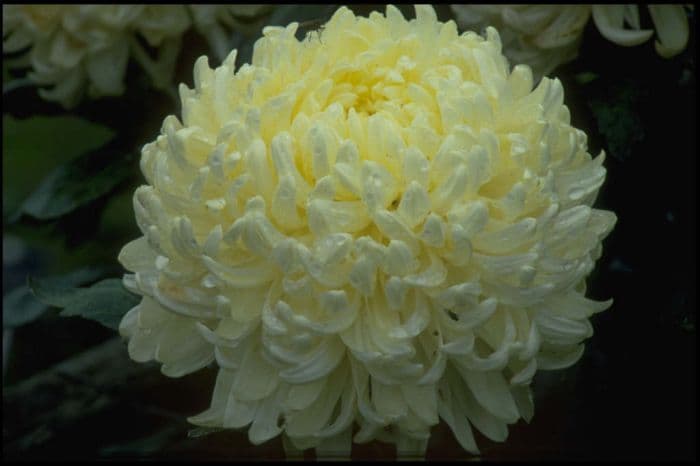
(21, 305)
(105, 302)
(33, 146)
(76, 184)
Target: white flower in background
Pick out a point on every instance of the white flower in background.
(670, 23)
(216, 21)
(379, 226)
(546, 36)
(74, 47)
(542, 36)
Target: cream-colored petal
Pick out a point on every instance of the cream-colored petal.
(214, 415)
(609, 20)
(318, 363)
(137, 255)
(523, 398)
(193, 361)
(266, 424)
(312, 419)
(554, 359)
(632, 16)
(493, 427)
(671, 24)
(451, 412)
(256, 378)
(491, 391)
(302, 395)
(422, 400)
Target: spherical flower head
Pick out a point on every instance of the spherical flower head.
(377, 227)
(74, 47)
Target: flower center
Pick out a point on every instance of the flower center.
(365, 101)
(369, 88)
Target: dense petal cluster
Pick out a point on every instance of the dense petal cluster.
(546, 36)
(369, 230)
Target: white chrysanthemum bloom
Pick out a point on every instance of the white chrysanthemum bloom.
(546, 36)
(74, 47)
(214, 22)
(380, 226)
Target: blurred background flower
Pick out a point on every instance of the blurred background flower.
(71, 49)
(546, 36)
(76, 48)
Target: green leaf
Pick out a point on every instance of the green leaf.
(33, 146)
(105, 302)
(52, 290)
(77, 183)
(20, 306)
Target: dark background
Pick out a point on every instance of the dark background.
(632, 396)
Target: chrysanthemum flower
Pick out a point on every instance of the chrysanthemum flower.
(546, 36)
(375, 228)
(74, 47)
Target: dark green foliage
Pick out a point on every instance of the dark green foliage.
(618, 119)
(31, 147)
(77, 183)
(21, 306)
(105, 302)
